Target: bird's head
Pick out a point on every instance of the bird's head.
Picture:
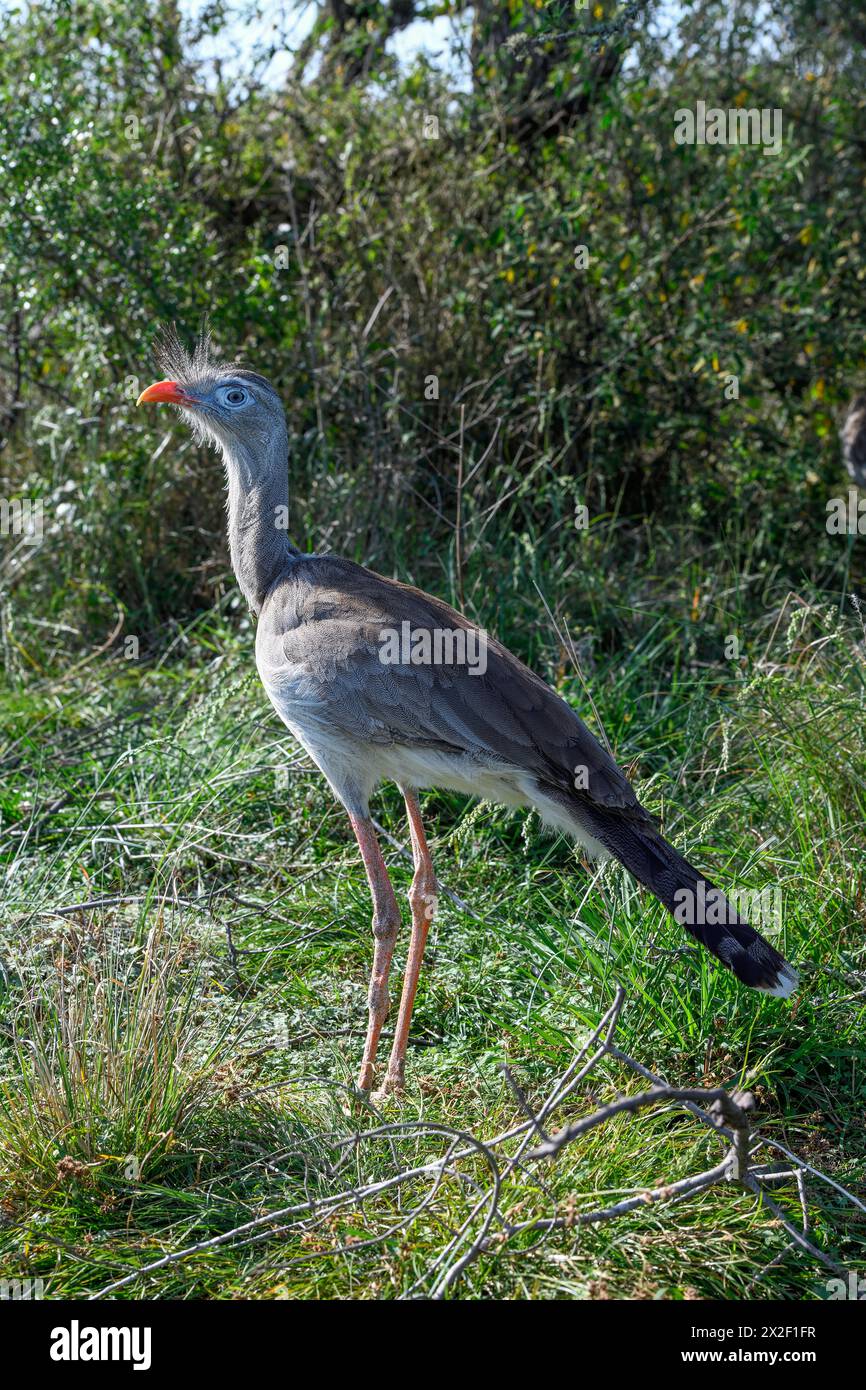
(223, 403)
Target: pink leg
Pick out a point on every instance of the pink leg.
(386, 920)
(422, 900)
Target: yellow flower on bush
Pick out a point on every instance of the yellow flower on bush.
(742, 326)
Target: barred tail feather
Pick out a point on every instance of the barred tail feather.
(712, 920)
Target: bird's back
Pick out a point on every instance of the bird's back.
(347, 653)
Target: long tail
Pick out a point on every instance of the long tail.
(703, 910)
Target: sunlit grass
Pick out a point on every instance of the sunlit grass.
(180, 1061)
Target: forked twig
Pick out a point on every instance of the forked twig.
(487, 1228)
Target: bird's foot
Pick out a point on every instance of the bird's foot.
(393, 1085)
(365, 1077)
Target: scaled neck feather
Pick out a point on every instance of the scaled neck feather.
(258, 510)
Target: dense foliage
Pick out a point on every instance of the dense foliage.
(398, 249)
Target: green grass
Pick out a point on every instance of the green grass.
(179, 1063)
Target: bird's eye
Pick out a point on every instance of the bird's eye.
(235, 395)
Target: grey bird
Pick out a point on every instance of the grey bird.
(378, 680)
(854, 440)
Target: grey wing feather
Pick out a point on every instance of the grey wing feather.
(324, 626)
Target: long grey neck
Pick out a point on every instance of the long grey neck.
(258, 509)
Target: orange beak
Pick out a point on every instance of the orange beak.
(164, 392)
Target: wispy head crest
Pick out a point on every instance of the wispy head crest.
(187, 367)
(200, 372)
(202, 368)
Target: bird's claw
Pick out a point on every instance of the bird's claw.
(391, 1089)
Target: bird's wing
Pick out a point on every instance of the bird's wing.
(322, 636)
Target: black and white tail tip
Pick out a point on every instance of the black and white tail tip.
(785, 982)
